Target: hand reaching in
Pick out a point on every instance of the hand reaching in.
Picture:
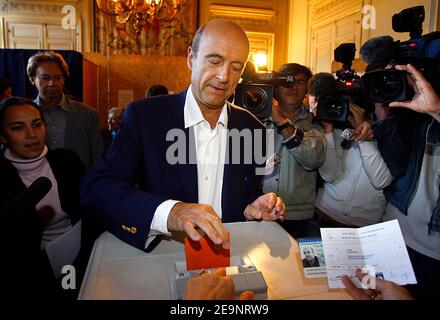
(266, 207)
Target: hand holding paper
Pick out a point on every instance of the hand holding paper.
(385, 290)
(187, 216)
(379, 249)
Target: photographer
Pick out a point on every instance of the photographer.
(354, 172)
(409, 143)
(300, 148)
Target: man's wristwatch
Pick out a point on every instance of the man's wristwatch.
(285, 125)
(295, 139)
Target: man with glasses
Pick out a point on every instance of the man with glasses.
(300, 150)
(70, 124)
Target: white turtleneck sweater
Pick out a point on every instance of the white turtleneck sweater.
(55, 220)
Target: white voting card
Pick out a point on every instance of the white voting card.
(64, 249)
(379, 249)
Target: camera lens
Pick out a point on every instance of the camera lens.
(255, 99)
(389, 86)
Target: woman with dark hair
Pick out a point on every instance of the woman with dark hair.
(27, 230)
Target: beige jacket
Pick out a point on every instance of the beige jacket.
(294, 179)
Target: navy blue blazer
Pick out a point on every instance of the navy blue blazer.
(132, 178)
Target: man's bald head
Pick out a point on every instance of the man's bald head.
(218, 26)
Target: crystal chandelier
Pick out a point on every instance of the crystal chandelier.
(140, 12)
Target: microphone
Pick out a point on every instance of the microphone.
(323, 85)
(28, 198)
(379, 51)
(347, 134)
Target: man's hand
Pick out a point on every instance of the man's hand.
(357, 115)
(216, 286)
(187, 216)
(313, 104)
(266, 207)
(278, 118)
(385, 290)
(362, 128)
(425, 99)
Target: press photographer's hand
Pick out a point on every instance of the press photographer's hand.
(425, 99)
(364, 132)
(278, 117)
(362, 128)
(266, 207)
(357, 115)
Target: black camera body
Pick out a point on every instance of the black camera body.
(385, 85)
(256, 91)
(335, 108)
(375, 86)
(423, 52)
(256, 98)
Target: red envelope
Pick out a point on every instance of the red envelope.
(204, 254)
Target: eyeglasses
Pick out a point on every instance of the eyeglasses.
(47, 78)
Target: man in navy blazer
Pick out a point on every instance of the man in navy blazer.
(174, 165)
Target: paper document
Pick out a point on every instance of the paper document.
(379, 249)
(64, 249)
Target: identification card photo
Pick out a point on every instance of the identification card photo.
(312, 257)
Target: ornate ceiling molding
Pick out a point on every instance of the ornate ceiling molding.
(241, 12)
(249, 18)
(323, 9)
(252, 24)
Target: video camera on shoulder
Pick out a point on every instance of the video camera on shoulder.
(380, 84)
(335, 94)
(423, 52)
(256, 91)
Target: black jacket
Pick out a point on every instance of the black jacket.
(25, 270)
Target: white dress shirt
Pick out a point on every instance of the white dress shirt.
(210, 146)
